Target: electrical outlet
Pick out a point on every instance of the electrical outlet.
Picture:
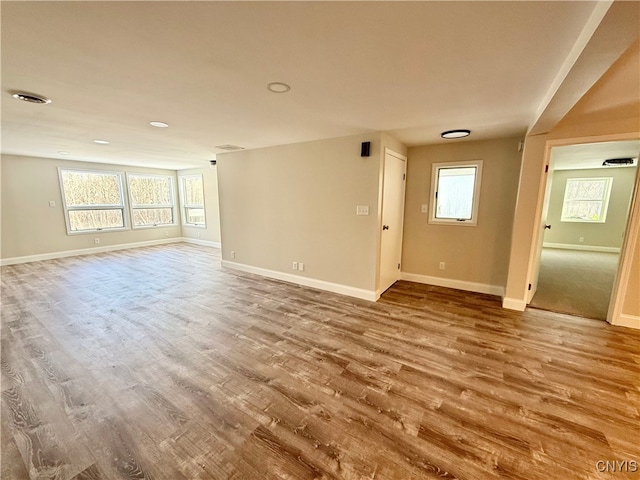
(424, 208)
(233, 254)
(442, 265)
(301, 266)
(581, 239)
(295, 265)
(96, 241)
(199, 234)
(166, 234)
(52, 203)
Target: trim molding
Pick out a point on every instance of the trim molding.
(304, 281)
(457, 284)
(514, 304)
(206, 243)
(590, 248)
(630, 321)
(86, 251)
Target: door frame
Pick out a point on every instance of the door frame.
(632, 231)
(393, 153)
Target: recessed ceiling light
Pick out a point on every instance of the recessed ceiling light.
(159, 124)
(459, 133)
(278, 87)
(30, 97)
(64, 153)
(101, 142)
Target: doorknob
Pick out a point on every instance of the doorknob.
(547, 227)
(385, 227)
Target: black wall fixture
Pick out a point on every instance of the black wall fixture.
(365, 149)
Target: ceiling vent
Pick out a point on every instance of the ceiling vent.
(229, 148)
(30, 97)
(617, 162)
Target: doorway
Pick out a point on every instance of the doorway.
(586, 210)
(393, 188)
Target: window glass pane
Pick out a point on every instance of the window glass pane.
(195, 215)
(80, 220)
(150, 190)
(88, 188)
(152, 216)
(193, 191)
(585, 199)
(455, 192)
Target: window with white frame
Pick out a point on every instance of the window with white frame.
(586, 200)
(455, 192)
(152, 200)
(192, 199)
(93, 200)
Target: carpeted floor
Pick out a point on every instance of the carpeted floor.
(576, 282)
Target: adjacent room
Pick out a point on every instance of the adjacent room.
(308, 240)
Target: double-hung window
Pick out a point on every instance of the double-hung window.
(455, 192)
(192, 199)
(93, 200)
(586, 200)
(152, 200)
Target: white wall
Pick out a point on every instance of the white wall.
(30, 227)
(298, 203)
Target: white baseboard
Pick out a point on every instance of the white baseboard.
(86, 251)
(589, 248)
(305, 281)
(514, 304)
(206, 243)
(630, 321)
(450, 283)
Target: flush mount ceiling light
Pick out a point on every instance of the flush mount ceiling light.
(278, 87)
(101, 142)
(30, 97)
(459, 133)
(159, 124)
(613, 162)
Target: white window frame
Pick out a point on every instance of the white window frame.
(122, 206)
(605, 201)
(133, 206)
(435, 173)
(184, 206)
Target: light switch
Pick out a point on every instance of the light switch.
(362, 210)
(52, 203)
(424, 208)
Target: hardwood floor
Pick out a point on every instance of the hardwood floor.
(156, 363)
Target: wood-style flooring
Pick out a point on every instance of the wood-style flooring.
(156, 363)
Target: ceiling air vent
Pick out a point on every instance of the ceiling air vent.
(229, 148)
(616, 162)
(30, 97)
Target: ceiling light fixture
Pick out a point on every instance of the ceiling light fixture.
(278, 87)
(229, 148)
(613, 162)
(101, 142)
(458, 133)
(30, 97)
(159, 124)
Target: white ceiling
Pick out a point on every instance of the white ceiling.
(591, 155)
(413, 69)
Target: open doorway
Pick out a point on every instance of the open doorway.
(586, 209)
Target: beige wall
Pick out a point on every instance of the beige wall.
(607, 234)
(31, 227)
(298, 203)
(477, 254)
(210, 233)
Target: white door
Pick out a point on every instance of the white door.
(395, 168)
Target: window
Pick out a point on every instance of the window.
(455, 191)
(192, 197)
(93, 200)
(586, 199)
(151, 199)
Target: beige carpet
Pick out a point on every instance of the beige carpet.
(576, 282)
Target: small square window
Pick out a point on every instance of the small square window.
(455, 191)
(586, 200)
